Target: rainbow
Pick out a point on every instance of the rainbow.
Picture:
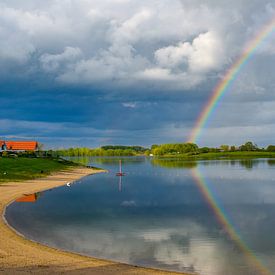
(224, 220)
(228, 78)
(204, 116)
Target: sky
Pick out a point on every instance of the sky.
(133, 72)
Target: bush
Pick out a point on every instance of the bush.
(5, 154)
(270, 148)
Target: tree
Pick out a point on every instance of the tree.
(204, 150)
(270, 148)
(154, 146)
(249, 146)
(177, 148)
(40, 146)
(224, 148)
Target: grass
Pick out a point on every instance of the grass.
(18, 169)
(223, 155)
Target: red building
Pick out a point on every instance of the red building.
(18, 145)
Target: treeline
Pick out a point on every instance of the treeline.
(171, 149)
(193, 149)
(176, 148)
(139, 149)
(108, 150)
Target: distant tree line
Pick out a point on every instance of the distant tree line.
(108, 150)
(170, 149)
(193, 149)
(177, 148)
(121, 147)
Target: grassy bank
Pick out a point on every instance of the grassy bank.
(222, 155)
(18, 169)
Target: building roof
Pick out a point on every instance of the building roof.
(22, 145)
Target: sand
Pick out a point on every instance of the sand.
(21, 256)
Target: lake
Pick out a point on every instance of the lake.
(206, 217)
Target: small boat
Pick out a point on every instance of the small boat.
(120, 173)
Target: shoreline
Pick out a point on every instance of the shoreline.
(21, 255)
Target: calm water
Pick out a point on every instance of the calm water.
(157, 215)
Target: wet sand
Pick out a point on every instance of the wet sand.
(21, 256)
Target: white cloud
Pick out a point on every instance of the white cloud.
(205, 53)
(124, 42)
(130, 30)
(156, 74)
(131, 105)
(13, 43)
(131, 203)
(173, 56)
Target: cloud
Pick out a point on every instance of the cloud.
(156, 74)
(129, 30)
(129, 104)
(131, 203)
(94, 42)
(53, 62)
(204, 54)
(13, 46)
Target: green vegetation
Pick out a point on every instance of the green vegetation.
(190, 151)
(101, 152)
(222, 155)
(21, 168)
(174, 149)
(186, 151)
(270, 148)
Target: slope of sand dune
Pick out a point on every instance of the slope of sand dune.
(21, 256)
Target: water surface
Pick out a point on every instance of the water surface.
(157, 215)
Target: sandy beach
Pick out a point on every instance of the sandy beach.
(21, 256)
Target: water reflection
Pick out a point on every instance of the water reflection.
(248, 163)
(172, 163)
(271, 162)
(120, 183)
(162, 218)
(106, 160)
(30, 197)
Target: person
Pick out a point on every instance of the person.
(4, 146)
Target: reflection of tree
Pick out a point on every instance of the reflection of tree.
(38, 195)
(106, 160)
(248, 163)
(172, 163)
(114, 160)
(271, 162)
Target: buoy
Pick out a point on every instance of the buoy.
(120, 173)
